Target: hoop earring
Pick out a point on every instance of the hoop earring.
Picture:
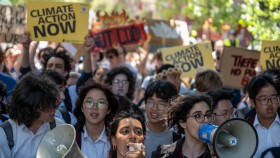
(114, 147)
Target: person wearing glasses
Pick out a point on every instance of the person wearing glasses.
(157, 97)
(222, 108)
(264, 97)
(116, 57)
(95, 107)
(121, 81)
(187, 113)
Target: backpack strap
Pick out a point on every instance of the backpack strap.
(176, 136)
(79, 139)
(7, 127)
(67, 100)
(65, 115)
(52, 125)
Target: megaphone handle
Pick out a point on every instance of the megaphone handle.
(212, 153)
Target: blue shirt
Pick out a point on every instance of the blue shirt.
(9, 81)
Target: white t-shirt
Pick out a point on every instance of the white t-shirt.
(268, 137)
(26, 142)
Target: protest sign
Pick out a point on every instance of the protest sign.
(189, 58)
(238, 66)
(117, 29)
(12, 23)
(57, 21)
(167, 33)
(270, 55)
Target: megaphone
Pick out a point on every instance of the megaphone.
(233, 138)
(60, 143)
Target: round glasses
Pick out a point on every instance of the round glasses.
(201, 117)
(118, 82)
(90, 102)
(160, 104)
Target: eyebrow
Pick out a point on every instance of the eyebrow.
(268, 95)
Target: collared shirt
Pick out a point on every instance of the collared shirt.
(268, 137)
(26, 142)
(95, 149)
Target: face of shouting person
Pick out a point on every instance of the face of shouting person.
(129, 132)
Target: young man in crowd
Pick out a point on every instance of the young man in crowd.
(32, 116)
(157, 97)
(221, 105)
(264, 97)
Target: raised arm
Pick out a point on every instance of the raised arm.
(88, 47)
(25, 41)
(33, 48)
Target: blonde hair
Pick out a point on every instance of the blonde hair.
(207, 79)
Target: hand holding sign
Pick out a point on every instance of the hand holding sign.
(25, 40)
(89, 43)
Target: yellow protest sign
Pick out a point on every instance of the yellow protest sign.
(57, 21)
(189, 58)
(270, 54)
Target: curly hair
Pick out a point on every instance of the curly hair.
(182, 106)
(112, 103)
(114, 125)
(122, 70)
(56, 77)
(162, 89)
(34, 92)
(62, 55)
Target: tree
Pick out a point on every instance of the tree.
(262, 17)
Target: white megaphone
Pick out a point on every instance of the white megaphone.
(235, 138)
(60, 143)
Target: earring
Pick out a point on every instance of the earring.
(114, 147)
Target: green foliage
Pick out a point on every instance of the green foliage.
(262, 17)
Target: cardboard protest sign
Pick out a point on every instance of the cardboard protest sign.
(238, 66)
(167, 33)
(270, 55)
(117, 29)
(12, 23)
(57, 21)
(189, 58)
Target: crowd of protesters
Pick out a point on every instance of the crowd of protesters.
(120, 109)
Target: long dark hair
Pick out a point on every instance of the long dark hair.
(112, 103)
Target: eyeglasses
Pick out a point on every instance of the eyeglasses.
(117, 82)
(161, 104)
(201, 117)
(272, 99)
(90, 102)
(226, 114)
